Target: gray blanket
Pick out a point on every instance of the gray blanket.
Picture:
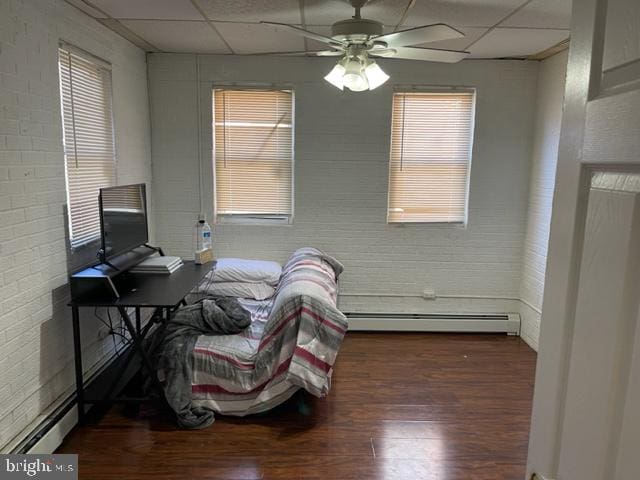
(171, 347)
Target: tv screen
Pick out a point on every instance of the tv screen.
(123, 219)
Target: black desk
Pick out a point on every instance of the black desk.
(163, 293)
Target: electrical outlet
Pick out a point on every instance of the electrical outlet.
(429, 294)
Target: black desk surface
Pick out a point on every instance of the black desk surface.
(153, 290)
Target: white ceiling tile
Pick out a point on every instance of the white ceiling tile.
(255, 38)
(88, 9)
(543, 23)
(318, 12)
(283, 11)
(150, 9)
(516, 42)
(178, 36)
(327, 12)
(542, 14)
(461, 13)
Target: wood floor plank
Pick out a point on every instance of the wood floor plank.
(403, 406)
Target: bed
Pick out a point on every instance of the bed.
(291, 344)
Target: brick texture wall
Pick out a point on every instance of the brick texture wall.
(546, 135)
(341, 178)
(36, 366)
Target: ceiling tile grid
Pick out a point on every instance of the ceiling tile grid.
(246, 38)
(492, 28)
(252, 11)
(149, 9)
(542, 14)
(87, 8)
(327, 12)
(516, 42)
(461, 13)
(178, 36)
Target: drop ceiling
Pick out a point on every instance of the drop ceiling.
(493, 28)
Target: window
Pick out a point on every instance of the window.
(431, 138)
(85, 91)
(253, 155)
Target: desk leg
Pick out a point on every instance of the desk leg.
(77, 350)
(139, 347)
(138, 322)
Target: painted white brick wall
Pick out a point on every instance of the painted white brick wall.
(546, 135)
(36, 354)
(341, 177)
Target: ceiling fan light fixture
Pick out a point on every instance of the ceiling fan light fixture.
(375, 75)
(355, 82)
(357, 74)
(354, 77)
(336, 75)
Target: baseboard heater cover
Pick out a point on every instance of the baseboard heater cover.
(435, 322)
(51, 431)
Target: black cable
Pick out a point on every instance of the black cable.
(113, 331)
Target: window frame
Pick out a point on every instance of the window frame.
(85, 249)
(256, 219)
(426, 89)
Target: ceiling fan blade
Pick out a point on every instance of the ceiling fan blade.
(304, 33)
(426, 54)
(419, 35)
(301, 53)
(327, 53)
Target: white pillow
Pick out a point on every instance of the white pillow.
(258, 291)
(243, 270)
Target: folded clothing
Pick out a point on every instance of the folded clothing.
(255, 290)
(247, 271)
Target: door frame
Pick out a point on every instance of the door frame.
(585, 83)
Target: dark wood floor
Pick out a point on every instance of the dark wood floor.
(402, 406)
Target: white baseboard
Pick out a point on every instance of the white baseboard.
(51, 440)
(509, 323)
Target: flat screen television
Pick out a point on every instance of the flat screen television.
(123, 219)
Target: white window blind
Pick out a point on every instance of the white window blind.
(85, 90)
(253, 153)
(431, 140)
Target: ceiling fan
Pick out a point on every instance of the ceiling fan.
(358, 39)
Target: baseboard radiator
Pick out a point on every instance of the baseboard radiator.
(508, 323)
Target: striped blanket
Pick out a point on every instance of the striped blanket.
(292, 343)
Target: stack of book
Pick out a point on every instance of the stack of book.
(158, 265)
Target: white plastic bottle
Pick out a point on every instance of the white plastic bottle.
(207, 240)
(202, 235)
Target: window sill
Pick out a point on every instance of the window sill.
(268, 220)
(461, 225)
